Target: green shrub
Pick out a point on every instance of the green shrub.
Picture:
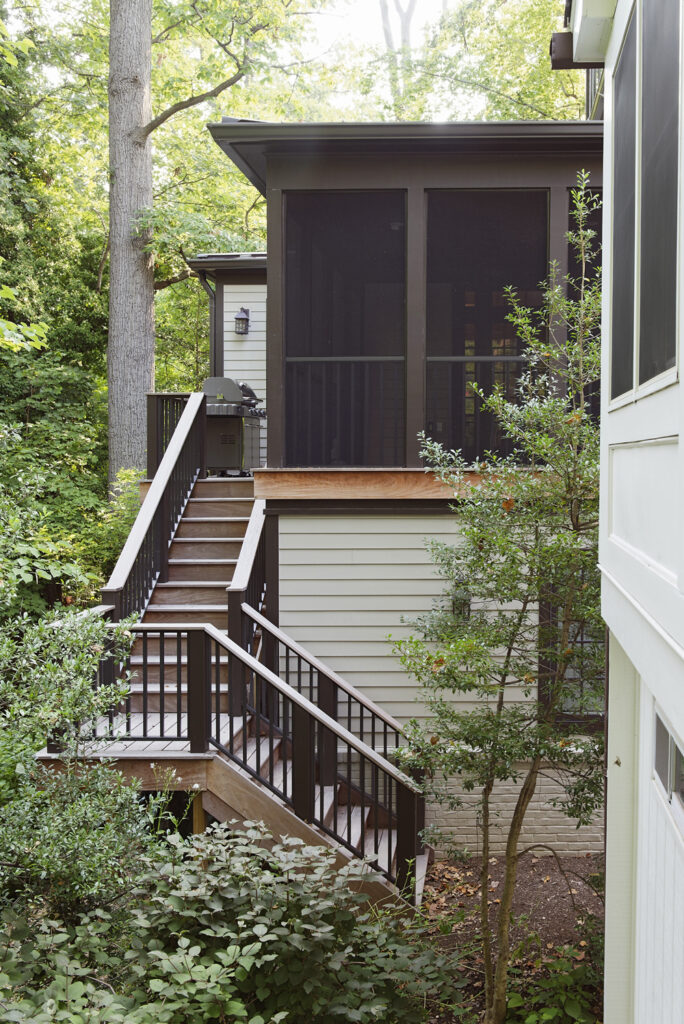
(104, 534)
(565, 994)
(72, 837)
(228, 926)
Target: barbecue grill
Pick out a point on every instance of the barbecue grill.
(233, 425)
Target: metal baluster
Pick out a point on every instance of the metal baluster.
(144, 685)
(162, 683)
(179, 648)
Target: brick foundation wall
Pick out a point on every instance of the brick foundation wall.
(543, 823)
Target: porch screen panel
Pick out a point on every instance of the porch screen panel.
(659, 166)
(478, 242)
(624, 149)
(345, 328)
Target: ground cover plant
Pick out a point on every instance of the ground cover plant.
(228, 926)
(519, 634)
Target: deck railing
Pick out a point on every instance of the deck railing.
(144, 558)
(164, 410)
(212, 696)
(248, 584)
(327, 690)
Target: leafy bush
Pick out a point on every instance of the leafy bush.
(71, 838)
(565, 994)
(47, 670)
(229, 926)
(104, 533)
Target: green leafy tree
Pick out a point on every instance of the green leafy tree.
(528, 543)
(481, 60)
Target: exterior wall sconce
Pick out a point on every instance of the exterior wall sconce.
(242, 321)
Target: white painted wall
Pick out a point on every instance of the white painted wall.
(642, 559)
(244, 357)
(659, 946)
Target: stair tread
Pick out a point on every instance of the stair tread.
(185, 607)
(215, 519)
(207, 540)
(200, 561)
(177, 584)
(220, 497)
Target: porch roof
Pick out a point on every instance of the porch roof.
(249, 143)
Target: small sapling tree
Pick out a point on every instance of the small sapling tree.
(511, 665)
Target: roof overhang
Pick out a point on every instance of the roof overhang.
(250, 143)
(590, 23)
(238, 262)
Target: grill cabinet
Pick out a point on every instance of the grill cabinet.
(233, 426)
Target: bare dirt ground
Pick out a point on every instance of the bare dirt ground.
(551, 907)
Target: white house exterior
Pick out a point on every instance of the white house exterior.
(642, 541)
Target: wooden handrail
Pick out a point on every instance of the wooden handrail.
(250, 543)
(324, 669)
(153, 498)
(289, 693)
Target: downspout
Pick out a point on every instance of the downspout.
(215, 367)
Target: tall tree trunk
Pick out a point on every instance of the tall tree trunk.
(130, 353)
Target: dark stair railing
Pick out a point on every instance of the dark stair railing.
(326, 689)
(144, 559)
(326, 775)
(164, 410)
(314, 741)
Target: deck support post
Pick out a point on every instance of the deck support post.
(303, 778)
(199, 684)
(407, 836)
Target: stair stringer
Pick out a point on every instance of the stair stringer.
(232, 796)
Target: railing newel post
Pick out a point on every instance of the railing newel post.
(236, 627)
(203, 439)
(199, 682)
(303, 774)
(407, 835)
(152, 436)
(327, 754)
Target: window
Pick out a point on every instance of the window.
(624, 155)
(659, 172)
(345, 328)
(669, 768)
(651, 198)
(478, 241)
(584, 671)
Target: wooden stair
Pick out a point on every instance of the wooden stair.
(203, 554)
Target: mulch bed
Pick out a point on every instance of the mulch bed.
(550, 906)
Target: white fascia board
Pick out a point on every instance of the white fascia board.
(591, 22)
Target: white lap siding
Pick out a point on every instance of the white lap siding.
(244, 356)
(346, 583)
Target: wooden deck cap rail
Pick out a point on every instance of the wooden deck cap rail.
(321, 667)
(289, 693)
(154, 496)
(250, 543)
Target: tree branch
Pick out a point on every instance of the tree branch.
(176, 279)
(192, 101)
